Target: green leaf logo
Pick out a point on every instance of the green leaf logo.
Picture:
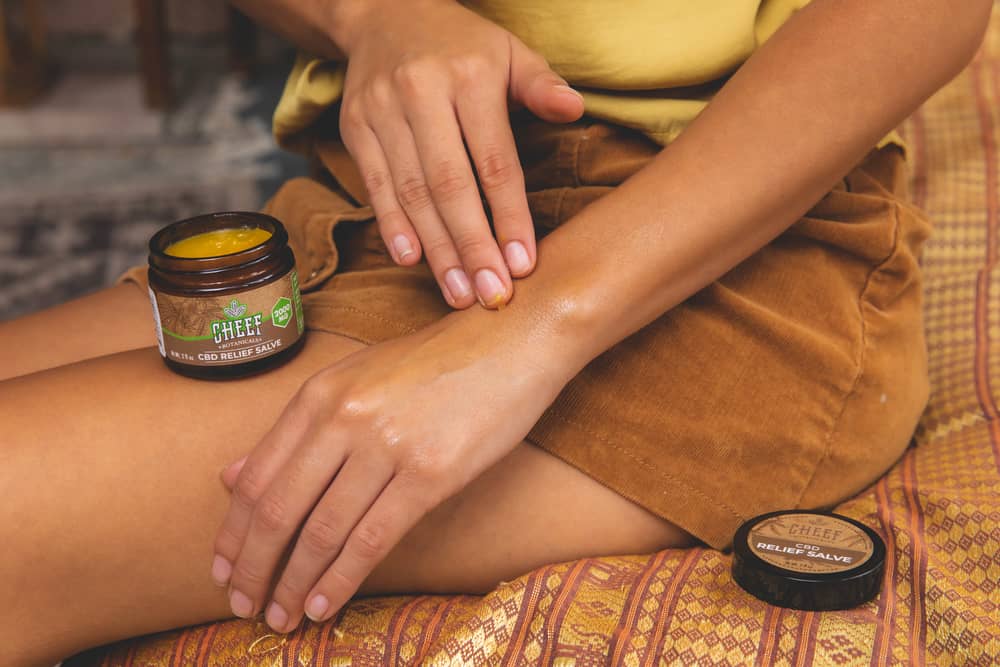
(235, 309)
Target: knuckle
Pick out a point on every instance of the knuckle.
(351, 118)
(271, 514)
(316, 391)
(512, 219)
(386, 435)
(414, 194)
(357, 407)
(393, 220)
(380, 92)
(471, 69)
(249, 486)
(376, 182)
(448, 182)
(496, 170)
(246, 574)
(321, 535)
(370, 540)
(227, 543)
(335, 580)
(439, 251)
(424, 465)
(413, 77)
(289, 588)
(472, 244)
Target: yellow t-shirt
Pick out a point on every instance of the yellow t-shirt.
(651, 65)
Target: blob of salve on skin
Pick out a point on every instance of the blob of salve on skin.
(218, 242)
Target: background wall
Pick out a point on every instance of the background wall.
(88, 172)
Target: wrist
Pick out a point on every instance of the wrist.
(350, 20)
(551, 329)
(343, 18)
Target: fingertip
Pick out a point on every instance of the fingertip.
(277, 618)
(317, 608)
(405, 250)
(517, 258)
(231, 472)
(567, 104)
(240, 604)
(222, 570)
(557, 103)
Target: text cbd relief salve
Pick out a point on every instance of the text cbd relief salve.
(225, 295)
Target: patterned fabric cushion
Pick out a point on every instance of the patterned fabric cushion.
(938, 508)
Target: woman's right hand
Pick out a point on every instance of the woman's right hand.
(426, 80)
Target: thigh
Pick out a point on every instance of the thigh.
(111, 320)
(110, 473)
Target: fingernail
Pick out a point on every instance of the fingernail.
(241, 605)
(567, 88)
(402, 246)
(221, 570)
(276, 617)
(517, 257)
(457, 283)
(316, 608)
(489, 287)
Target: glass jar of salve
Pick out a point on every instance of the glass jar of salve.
(225, 295)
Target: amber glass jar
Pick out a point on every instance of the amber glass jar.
(221, 316)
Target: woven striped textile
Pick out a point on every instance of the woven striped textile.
(938, 509)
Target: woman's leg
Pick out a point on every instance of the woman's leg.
(111, 320)
(109, 470)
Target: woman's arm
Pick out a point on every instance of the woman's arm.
(318, 26)
(424, 113)
(803, 110)
(372, 443)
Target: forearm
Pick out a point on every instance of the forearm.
(320, 27)
(803, 110)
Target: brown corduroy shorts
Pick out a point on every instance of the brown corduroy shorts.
(793, 381)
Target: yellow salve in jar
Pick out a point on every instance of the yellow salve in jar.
(218, 242)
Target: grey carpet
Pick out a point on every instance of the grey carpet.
(89, 174)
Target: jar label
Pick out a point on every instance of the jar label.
(805, 542)
(231, 329)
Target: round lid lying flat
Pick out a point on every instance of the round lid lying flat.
(816, 561)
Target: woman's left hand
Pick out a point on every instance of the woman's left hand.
(368, 446)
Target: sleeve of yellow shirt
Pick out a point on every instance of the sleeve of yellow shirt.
(312, 87)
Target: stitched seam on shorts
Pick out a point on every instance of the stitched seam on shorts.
(828, 444)
(645, 464)
(579, 139)
(561, 197)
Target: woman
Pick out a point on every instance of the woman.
(651, 345)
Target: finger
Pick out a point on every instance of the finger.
(453, 188)
(412, 192)
(537, 87)
(486, 126)
(394, 226)
(351, 494)
(277, 516)
(231, 472)
(255, 476)
(397, 509)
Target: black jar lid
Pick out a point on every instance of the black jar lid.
(814, 561)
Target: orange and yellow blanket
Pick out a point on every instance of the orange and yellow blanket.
(938, 509)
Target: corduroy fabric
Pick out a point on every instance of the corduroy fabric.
(795, 380)
(938, 508)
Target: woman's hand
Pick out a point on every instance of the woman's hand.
(371, 444)
(426, 80)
